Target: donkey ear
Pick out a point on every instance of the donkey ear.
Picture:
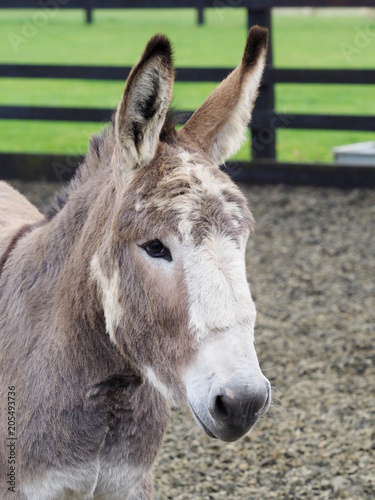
(145, 102)
(219, 125)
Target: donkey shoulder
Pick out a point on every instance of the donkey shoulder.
(15, 213)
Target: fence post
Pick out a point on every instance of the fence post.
(200, 15)
(88, 16)
(263, 141)
(200, 12)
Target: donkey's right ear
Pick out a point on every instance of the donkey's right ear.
(219, 125)
(144, 104)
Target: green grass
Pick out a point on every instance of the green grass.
(118, 38)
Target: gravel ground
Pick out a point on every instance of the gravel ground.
(311, 267)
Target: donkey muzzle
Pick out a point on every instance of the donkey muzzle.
(234, 411)
(226, 389)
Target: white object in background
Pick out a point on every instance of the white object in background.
(360, 153)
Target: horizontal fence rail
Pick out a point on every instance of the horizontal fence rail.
(104, 72)
(185, 4)
(326, 76)
(260, 120)
(107, 4)
(274, 75)
(60, 168)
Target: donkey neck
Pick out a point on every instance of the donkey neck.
(50, 267)
(72, 238)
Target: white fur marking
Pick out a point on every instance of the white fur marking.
(157, 383)
(219, 294)
(112, 308)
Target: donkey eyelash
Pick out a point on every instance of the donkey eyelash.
(156, 249)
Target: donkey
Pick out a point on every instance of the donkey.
(129, 294)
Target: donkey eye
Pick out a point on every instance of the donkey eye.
(156, 249)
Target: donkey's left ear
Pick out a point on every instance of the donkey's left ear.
(219, 125)
(141, 113)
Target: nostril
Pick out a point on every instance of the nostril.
(221, 410)
(239, 409)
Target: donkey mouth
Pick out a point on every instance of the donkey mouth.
(201, 424)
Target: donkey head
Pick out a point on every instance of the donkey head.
(174, 289)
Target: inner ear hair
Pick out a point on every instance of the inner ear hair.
(144, 104)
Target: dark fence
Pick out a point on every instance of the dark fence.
(263, 168)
